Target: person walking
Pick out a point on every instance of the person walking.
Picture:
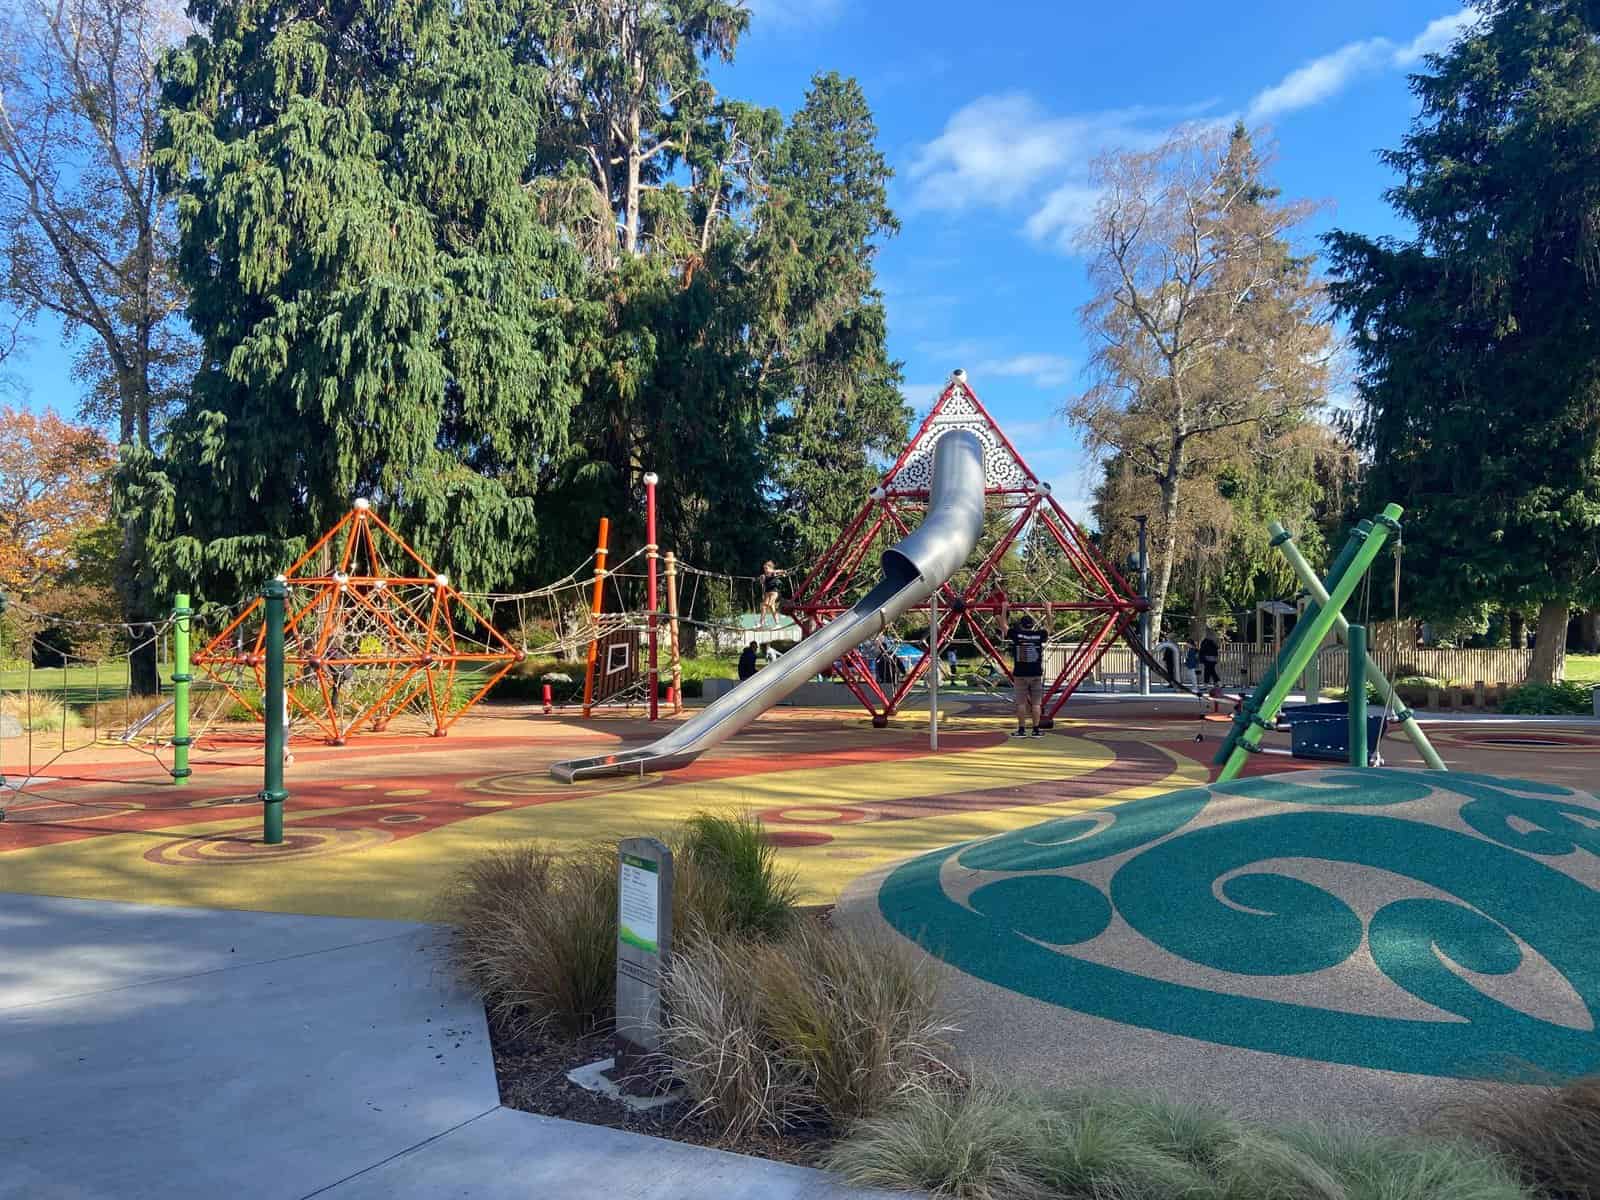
(1027, 674)
(1210, 652)
(747, 662)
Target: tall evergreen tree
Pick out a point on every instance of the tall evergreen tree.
(383, 311)
(821, 338)
(1479, 337)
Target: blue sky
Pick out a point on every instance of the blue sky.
(991, 115)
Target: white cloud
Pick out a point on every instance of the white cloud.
(995, 149)
(1064, 212)
(1436, 38)
(1331, 73)
(1042, 370)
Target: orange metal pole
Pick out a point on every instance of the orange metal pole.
(594, 608)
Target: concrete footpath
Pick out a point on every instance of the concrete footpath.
(179, 1052)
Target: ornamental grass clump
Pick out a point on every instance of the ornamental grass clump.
(536, 936)
(536, 928)
(735, 851)
(987, 1142)
(804, 1032)
(1550, 1135)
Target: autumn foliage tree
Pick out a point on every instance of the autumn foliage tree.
(54, 489)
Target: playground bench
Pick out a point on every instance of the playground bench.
(1109, 679)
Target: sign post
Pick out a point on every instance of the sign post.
(644, 946)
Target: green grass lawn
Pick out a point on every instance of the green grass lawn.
(83, 684)
(1583, 668)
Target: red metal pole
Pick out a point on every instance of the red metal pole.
(650, 557)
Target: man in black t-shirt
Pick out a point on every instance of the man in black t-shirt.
(1027, 673)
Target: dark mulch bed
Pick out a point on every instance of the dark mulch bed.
(532, 1072)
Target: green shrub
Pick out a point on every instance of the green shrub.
(990, 1142)
(1545, 699)
(526, 680)
(1550, 1135)
(735, 850)
(814, 1029)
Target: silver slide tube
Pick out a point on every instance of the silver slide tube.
(912, 569)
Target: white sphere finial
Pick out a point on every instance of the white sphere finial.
(877, 493)
(651, 479)
(281, 578)
(959, 374)
(341, 578)
(441, 580)
(362, 504)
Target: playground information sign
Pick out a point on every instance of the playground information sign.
(639, 904)
(644, 946)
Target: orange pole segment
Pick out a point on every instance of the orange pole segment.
(594, 609)
(319, 543)
(232, 625)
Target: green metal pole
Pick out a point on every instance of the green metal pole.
(181, 741)
(1316, 628)
(272, 792)
(1319, 593)
(1248, 712)
(1312, 681)
(1356, 695)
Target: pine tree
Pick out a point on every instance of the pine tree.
(821, 342)
(1479, 337)
(383, 311)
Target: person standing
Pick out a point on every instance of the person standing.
(747, 662)
(771, 593)
(1027, 674)
(1210, 652)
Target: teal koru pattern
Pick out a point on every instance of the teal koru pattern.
(1515, 859)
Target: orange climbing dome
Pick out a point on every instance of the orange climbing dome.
(372, 633)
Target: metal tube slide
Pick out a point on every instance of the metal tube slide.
(912, 569)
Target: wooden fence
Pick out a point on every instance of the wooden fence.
(1242, 665)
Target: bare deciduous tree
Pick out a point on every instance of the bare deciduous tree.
(85, 232)
(1208, 332)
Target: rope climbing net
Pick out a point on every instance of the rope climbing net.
(71, 704)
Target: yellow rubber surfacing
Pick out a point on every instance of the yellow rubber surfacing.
(326, 869)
